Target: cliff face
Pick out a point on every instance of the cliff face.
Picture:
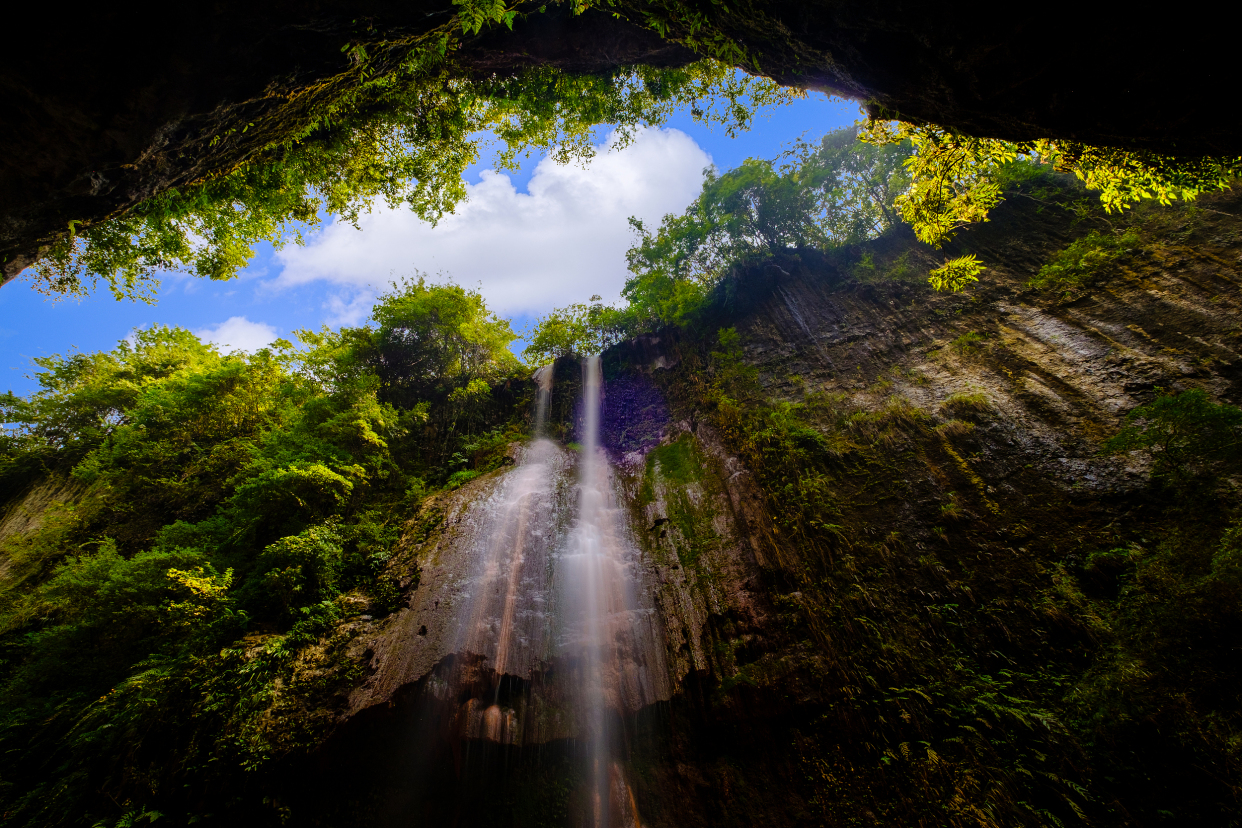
(948, 607)
(969, 516)
(108, 107)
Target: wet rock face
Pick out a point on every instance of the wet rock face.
(1009, 392)
(634, 415)
(978, 482)
(1063, 373)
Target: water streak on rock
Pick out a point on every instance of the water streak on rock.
(609, 634)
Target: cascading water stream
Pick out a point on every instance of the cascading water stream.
(558, 607)
(507, 623)
(543, 382)
(608, 633)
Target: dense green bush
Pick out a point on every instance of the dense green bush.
(1186, 435)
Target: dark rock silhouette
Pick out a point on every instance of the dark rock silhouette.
(107, 106)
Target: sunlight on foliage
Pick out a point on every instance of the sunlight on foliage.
(832, 193)
(957, 178)
(957, 274)
(574, 329)
(403, 138)
(1081, 262)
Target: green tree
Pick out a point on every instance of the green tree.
(574, 329)
(433, 339)
(839, 191)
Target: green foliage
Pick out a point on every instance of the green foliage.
(1080, 264)
(957, 179)
(838, 192)
(437, 340)
(474, 14)
(968, 342)
(302, 569)
(1158, 704)
(1186, 435)
(956, 275)
(177, 625)
(574, 329)
(404, 134)
(84, 397)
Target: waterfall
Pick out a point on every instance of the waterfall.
(507, 621)
(608, 630)
(555, 603)
(543, 381)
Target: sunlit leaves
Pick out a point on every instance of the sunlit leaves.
(953, 177)
(474, 14)
(435, 338)
(957, 274)
(575, 329)
(1082, 261)
(958, 178)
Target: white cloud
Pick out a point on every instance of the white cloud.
(347, 310)
(237, 333)
(562, 241)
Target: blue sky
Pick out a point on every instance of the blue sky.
(542, 237)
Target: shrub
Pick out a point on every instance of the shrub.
(1083, 262)
(1186, 435)
(302, 569)
(968, 407)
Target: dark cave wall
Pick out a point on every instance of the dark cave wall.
(108, 106)
(1096, 77)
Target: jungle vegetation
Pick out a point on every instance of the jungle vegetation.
(226, 510)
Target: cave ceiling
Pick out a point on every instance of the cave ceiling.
(107, 106)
